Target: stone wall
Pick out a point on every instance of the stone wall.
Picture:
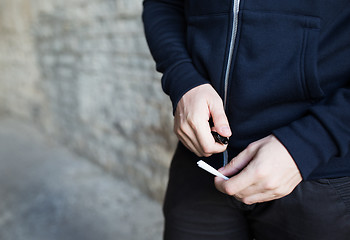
(81, 70)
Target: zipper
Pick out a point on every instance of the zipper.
(235, 11)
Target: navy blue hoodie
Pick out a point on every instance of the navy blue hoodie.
(281, 67)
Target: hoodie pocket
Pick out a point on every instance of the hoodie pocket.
(276, 61)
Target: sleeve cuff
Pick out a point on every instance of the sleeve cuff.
(308, 142)
(179, 80)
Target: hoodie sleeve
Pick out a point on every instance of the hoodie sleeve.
(321, 136)
(165, 29)
(321, 139)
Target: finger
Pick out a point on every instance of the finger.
(206, 140)
(220, 121)
(185, 134)
(239, 162)
(189, 140)
(259, 198)
(198, 130)
(235, 184)
(196, 144)
(250, 191)
(261, 193)
(190, 147)
(255, 193)
(245, 178)
(195, 136)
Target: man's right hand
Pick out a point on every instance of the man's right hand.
(192, 116)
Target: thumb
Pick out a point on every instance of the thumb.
(220, 121)
(240, 162)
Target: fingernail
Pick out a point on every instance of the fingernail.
(221, 169)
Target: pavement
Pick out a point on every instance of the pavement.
(49, 193)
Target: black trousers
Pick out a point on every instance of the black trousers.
(195, 210)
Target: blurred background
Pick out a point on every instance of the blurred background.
(85, 129)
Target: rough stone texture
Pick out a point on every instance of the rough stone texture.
(81, 70)
(48, 193)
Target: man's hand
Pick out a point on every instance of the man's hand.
(268, 172)
(192, 116)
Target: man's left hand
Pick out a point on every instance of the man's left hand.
(266, 172)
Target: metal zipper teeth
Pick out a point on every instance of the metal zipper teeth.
(229, 60)
(232, 44)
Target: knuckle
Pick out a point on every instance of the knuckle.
(192, 121)
(182, 129)
(179, 134)
(194, 150)
(260, 173)
(251, 145)
(176, 130)
(270, 185)
(207, 155)
(217, 148)
(280, 192)
(228, 190)
(251, 148)
(247, 201)
(177, 127)
(207, 150)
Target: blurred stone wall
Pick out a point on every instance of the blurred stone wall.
(81, 70)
